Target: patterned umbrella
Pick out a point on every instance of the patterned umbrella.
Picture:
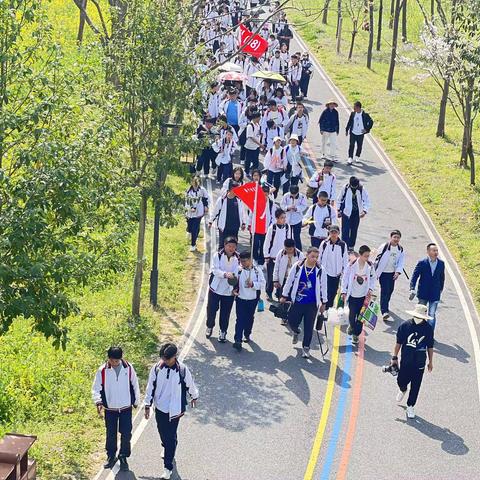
(232, 76)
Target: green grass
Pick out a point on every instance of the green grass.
(405, 124)
(46, 392)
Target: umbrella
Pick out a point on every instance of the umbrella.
(267, 75)
(232, 76)
(230, 67)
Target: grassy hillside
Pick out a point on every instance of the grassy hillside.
(405, 123)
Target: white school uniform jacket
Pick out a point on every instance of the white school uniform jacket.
(290, 288)
(294, 217)
(268, 93)
(275, 160)
(281, 265)
(294, 157)
(221, 265)
(328, 184)
(319, 214)
(221, 55)
(270, 208)
(166, 382)
(255, 274)
(116, 393)
(250, 69)
(270, 133)
(345, 200)
(214, 105)
(384, 254)
(224, 108)
(333, 257)
(350, 276)
(195, 202)
(279, 117)
(225, 150)
(294, 72)
(220, 212)
(298, 125)
(275, 239)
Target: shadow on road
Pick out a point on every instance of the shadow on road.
(451, 443)
(452, 351)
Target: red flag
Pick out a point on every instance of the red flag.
(255, 45)
(246, 193)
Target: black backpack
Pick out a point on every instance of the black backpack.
(242, 139)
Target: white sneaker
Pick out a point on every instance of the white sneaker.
(400, 395)
(222, 337)
(410, 412)
(193, 248)
(208, 332)
(306, 352)
(356, 159)
(350, 161)
(385, 316)
(167, 474)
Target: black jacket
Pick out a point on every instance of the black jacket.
(367, 122)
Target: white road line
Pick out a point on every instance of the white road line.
(421, 214)
(197, 324)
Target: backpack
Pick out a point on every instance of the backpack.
(219, 253)
(380, 255)
(311, 228)
(274, 232)
(297, 269)
(125, 364)
(344, 194)
(342, 244)
(242, 139)
(181, 372)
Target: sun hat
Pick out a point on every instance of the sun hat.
(330, 102)
(275, 139)
(420, 311)
(294, 136)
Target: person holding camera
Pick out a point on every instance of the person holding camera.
(389, 266)
(169, 382)
(196, 206)
(415, 341)
(277, 233)
(358, 283)
(115, 391)
(222, 281)
(334, 259)
(353, 205)
(324, 180)
(247, 293)
(319, 217)
(306, 289)
(295, 204)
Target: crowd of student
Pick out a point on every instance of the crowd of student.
(250, 134)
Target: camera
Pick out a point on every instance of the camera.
(280, 310)
(391, 369)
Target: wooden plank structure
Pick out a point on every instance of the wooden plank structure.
(14, 461)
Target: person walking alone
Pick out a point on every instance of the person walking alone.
(196, 206)
(329, 128)
(359, 123)
(169, 382)
(115, 392)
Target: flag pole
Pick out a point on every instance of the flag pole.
(254, 218)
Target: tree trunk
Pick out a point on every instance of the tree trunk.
(467, 124)
(393, 57)
(137, 282)
(392, 14)
(339, 36)
(443, 109)
(81, 24)
(472, 162)
(432, 8)
(352, 43)
(370, 34)
(325, 12)
(379, 28)
(404, 21)
(339, 16)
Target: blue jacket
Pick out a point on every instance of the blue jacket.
(329, 121)
(429, 287)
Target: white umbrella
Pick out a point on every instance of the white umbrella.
(230, 67)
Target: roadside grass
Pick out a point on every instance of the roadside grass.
(46, 392)
(405, 124)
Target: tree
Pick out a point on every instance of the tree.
(356, 12)
(65, 213)
(370, 34)
(379, 27)
(404, 21)
(157, 80)
(325, 12)
(393, 56)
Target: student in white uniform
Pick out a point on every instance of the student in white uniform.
(196, 206)
(358, 284)
(295, 204)
(223, 277)
(275, 162)
(298, 123)
(294, 154)
(334, 258)
(225, 147)
(319, 217)
(273, 131)
(277, 233)
(389, 266)
(294, 76)
(251, 282)
(214, 102)
(324, 180)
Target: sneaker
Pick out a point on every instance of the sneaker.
(222, 337)
(162, 454)
(193, 248)
(400, 396)
(123, 464)
(306, 352)
(284, 321)
(350, 161)
(356, 159)
(295, 336)
(270, 298)
(208, 332)
(349, 330)
(247, 339)
(410, 412)
(237, 346)
(110, 463)
(355, 339)
(167, 474)
(385, 316)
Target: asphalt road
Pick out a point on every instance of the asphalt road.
(259, 411)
